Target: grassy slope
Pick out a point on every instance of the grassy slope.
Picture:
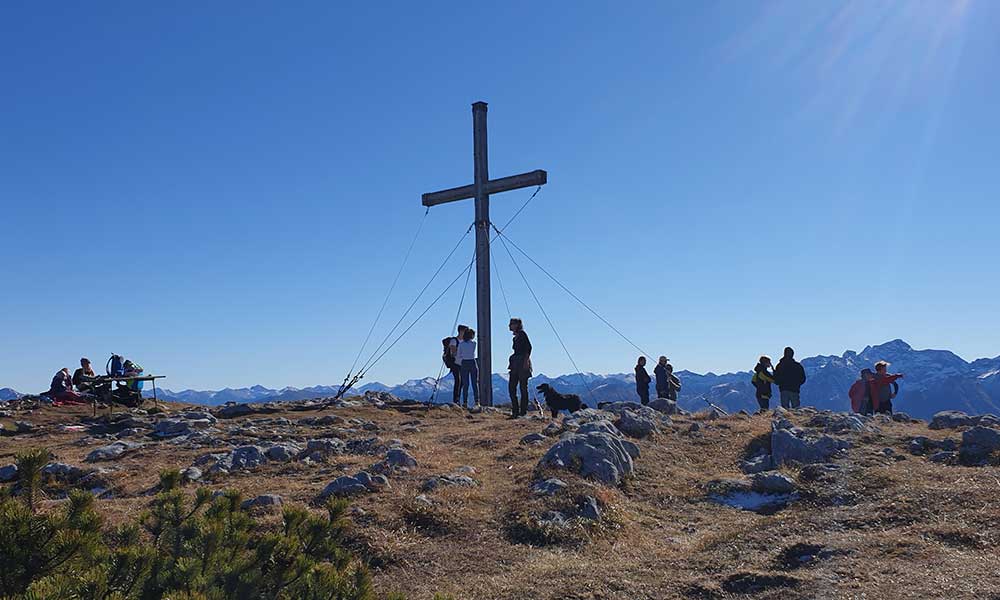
(917, 530)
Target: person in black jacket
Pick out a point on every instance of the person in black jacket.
(789, 375)
(520, 369)
(642, 380)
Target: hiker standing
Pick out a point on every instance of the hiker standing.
(673, 383)
(884, 388)
(466, 357)
(662, 377)
(520, 369)
(642, 380)
(789, 375)
(667, 384)
(861, 393)
(762, 380)
(449, 353)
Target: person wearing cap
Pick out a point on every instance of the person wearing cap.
(667, 384)
(84, 377)
(884, 388)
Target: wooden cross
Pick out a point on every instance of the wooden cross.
(481, 190)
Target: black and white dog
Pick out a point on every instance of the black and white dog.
(556, 401)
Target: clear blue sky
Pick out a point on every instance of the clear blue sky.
(224, 191)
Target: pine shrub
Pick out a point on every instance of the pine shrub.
(181, 548)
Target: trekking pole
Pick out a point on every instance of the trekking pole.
(716, 407)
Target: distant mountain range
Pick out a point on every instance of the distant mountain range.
(935, 380)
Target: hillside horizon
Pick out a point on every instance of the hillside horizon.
(936, 380)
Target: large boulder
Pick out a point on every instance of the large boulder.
(601, 456)
(343, 487)
(665, 406)
(951, 419)
(978, 445)
(637, 425)
(793, 445)
(282, 452)
(841, 423)
(247, 457)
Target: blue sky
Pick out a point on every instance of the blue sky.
(225, 191)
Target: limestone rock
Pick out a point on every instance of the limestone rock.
(791, 444)
(265, 500)
(601, 456)
(978, 445)
(111, 451)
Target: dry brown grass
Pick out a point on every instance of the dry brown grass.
(912, 529)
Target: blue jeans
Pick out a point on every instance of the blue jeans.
(470, 373)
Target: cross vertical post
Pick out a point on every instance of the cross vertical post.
(483, 296)
(480, 190)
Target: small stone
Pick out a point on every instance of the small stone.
(773, 483)
(191, 474)
(533, 439)
(548, 487)
(944, 457)
(8, 473)
(264, 500)
(590, 510)
(757, 464)
(422, 499)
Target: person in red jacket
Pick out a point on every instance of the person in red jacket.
(861, 393)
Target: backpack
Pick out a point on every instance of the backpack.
(115, 366)
(447, 356)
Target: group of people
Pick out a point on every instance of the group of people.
(873, 392)
(788, 375)
(84, 385)
(459, 355)
(667, 384)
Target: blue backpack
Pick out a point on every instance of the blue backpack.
(116, 365)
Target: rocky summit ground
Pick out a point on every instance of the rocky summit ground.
(627, 502)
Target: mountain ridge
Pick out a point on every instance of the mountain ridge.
(935, 380)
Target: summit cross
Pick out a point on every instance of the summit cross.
(481, 189)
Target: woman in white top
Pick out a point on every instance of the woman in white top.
(466, 357)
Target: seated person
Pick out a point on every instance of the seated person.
(130, 394)
(84, 377)
(61, 389)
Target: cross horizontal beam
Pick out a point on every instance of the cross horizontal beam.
(493, 186)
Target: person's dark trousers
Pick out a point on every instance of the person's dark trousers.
(885, 407)
(764, 402)
(643, 395)
(660, 393)
(789, 399)
(456, 372)
(518, 379)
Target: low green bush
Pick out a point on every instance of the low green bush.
(181, 548)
